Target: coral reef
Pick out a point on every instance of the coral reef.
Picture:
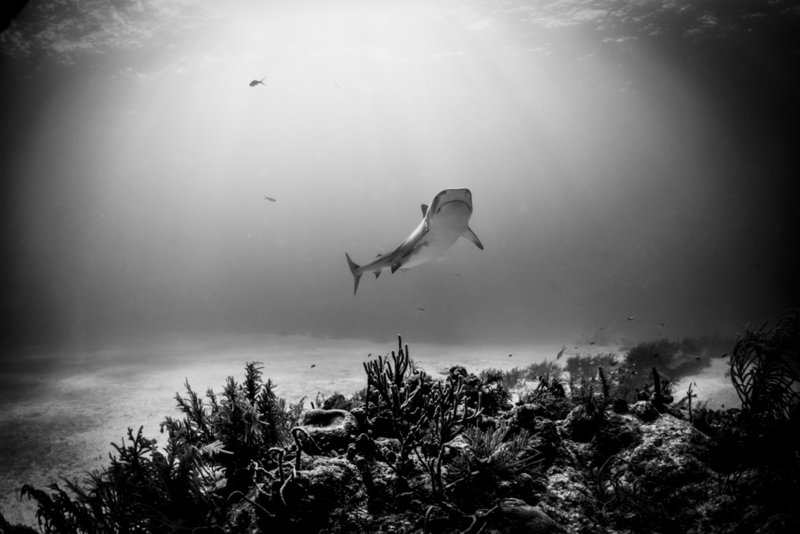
(603, 452)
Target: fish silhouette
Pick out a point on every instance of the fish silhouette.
(442, 224)
(256, 82)
(270, 199)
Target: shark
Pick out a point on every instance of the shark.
(443, 222)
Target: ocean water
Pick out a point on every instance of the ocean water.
(632, 168)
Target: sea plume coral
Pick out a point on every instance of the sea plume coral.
(765, 369)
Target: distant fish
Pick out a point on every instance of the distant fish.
(724, 355)
(697, 358)
(510, 355)
(270, 199)
(442, 224)
(421, 310)
(336, 84)
(314, 365)
(458, 275)
(256, 82)
(656, 355)
(612, 364)
(662, 324)
(368, 355)
(592, 343)
(561, 352)
(631, 318)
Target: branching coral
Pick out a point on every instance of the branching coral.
(765, 369)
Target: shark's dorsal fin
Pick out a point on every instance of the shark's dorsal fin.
(424, 210)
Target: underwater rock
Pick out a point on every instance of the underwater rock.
(364, 447)
(361, 416)
(580, 425)
(458, 371)
(388, 448)
(524, 416)
(515, 515)
(570, 499)
(315, 492)
(620, 406)
(545, 437)
(645, 411)
(618, 432)
(672, 452)
(494, 398)
(330, 430)
(456, 446)
(337, 400)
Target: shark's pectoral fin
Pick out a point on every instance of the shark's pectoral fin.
(424, 210)
(377, 274)
(469, 234)
(396, 266)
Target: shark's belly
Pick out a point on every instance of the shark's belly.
(430, 250)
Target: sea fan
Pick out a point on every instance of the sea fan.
(764, 369)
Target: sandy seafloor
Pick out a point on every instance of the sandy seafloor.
(59, 412)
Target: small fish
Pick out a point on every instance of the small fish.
(631, 318)
(510, 355)
(458, 275)
(561, 352)
(612, 364)
(724, 355)
(662, 324)
(270, 199)
(336, 84)
(656, 355)
(697, 358)
(368, 355)
(592, 343)
(256, 82)
(314, 365)
(421, 310)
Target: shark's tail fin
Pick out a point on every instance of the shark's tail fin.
(353, 269)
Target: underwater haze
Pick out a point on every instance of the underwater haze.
(181, 179)
(626, 159)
